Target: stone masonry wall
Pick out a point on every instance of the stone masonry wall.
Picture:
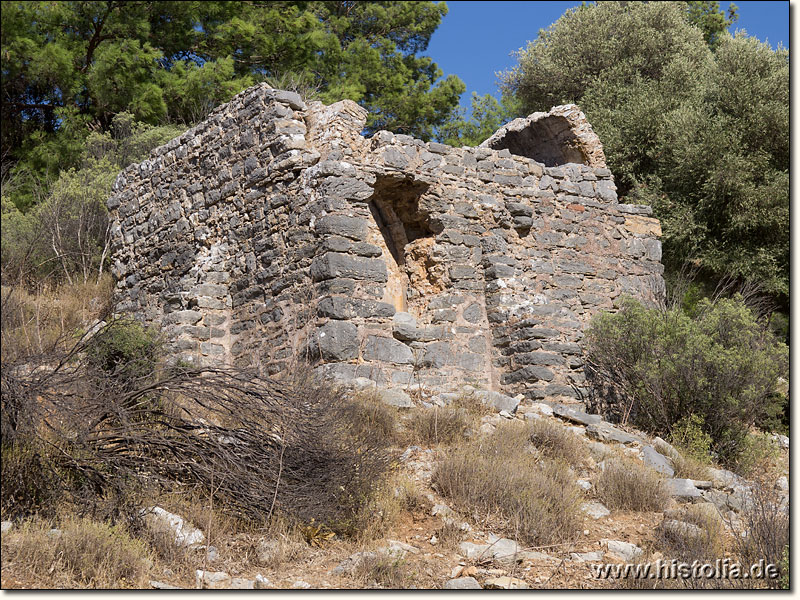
(275, 232)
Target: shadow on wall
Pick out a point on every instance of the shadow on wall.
(550, 140)
(405, 229)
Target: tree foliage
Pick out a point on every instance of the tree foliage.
(694, 121)
(65, 233)
(89, 87)
(719, 364)
(69, 64)
(487, 116)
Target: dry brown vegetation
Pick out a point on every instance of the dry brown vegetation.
(555, 441)
(80, 553)
(384, 570)
(36, 321)
(627, 484)
(498, 478)
(447, 425)
(439, 425)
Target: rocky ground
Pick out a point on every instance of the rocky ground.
(421, 550)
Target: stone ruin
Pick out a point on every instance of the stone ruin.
(275, 232)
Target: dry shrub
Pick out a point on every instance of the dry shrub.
(370, 416)
(449, 535)
(626, 484)
(382, 569)
(285, 543)
(498, 477)
(472, 404)
(766, 525)
(396, 496)
(706, 546)
(86, 554)
(263, 446)
(687, 467)
(439, 425)
(556, 441)
(36, 321)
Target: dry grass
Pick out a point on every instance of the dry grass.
(36, 321)
(439, 426)
(386, 571)
(86, 554)
(555, 441)
(706, 546)
(687, 467)
(449, 535)
(474, 406)
(767, 527)
(447, 425)
(499, 480)
(626, 484)
(370, 416)
(398, 495)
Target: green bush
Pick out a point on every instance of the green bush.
(125, 350)
(720, 364)
(688, 436)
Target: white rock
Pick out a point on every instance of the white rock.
(159, 520)
(6, 526)
(584, 484)
(463, 583)
(595, 556)
(596, 510)
(400, 549)
(471, 551)
(506, 583)
(300, 584)
(624, 550)
(242, 583)
(160, 585)
(212, 580)
(442, 510)
(544, 409)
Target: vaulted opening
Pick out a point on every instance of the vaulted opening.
(549, 140)
(404, 234)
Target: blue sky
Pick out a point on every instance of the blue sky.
(475, 38)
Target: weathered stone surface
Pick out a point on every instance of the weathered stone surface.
(575, 415)
(498, 400)
(595, 510)
(682, 489)
(183, 534)
(338, 340)
(652, 458)
(212, 580)
(247, 236)
(722, 478)
(595, 556)
(387, 350)
(681, 530)
(608, 433)
(624, 550)
(395, 397)
(463, 583)
(505, 583)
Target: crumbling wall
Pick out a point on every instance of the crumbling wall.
(275, 232)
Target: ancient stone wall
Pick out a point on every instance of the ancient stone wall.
(275, 232)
